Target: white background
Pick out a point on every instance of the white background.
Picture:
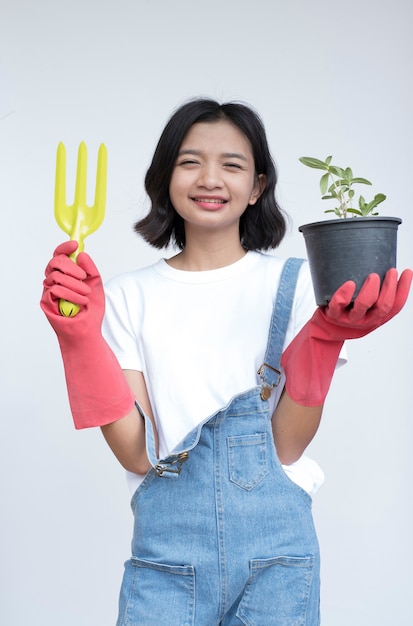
(327, 78)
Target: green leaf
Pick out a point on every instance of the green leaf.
(380, 197)
(315, 163)
(337, 171)
(336, 188)
(324, 183)
(328, 160)
(342, 183)
(348, 175)
(363, 181)
(355, 212)
(368, 208)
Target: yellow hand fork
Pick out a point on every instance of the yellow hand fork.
(79, 220)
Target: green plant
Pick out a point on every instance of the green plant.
(337, 184)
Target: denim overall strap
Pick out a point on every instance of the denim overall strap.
(270, 370)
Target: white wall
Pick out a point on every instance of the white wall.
(327, 77)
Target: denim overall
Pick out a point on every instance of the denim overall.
(222, 537)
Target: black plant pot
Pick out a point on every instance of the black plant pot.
(349, 249)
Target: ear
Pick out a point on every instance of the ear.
(259, 186)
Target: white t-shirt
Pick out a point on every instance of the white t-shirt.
(199, 338)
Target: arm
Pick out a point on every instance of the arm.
(100, 393)
(126, 437)
(293, 427)
(310, 359)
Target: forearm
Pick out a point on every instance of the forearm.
(294, 426)
(126, 437)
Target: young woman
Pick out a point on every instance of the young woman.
(209, 380)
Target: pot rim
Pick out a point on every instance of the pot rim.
(352, 220)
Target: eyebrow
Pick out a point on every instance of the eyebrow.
(226, 155)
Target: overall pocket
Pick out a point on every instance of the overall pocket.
(280, 591)
(247, 459)
(156, 594)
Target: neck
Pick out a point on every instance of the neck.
(208, 253)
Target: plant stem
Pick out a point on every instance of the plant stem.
(340, 196)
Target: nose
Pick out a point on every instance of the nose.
(209, 177)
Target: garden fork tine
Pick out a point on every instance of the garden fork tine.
(79, 220)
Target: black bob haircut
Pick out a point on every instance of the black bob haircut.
(262, 225)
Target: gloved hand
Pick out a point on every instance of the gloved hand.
(97, 388)
(310, 359)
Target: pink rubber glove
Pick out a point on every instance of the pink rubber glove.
(310, 359)
(97, 388)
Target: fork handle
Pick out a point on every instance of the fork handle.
(66, 308)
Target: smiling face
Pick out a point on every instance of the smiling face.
(214, 178)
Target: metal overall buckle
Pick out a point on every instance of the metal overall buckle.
(174, 466)
(266, 387)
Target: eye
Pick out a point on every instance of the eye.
(233, 166)
(187, 162)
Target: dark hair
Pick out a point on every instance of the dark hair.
(262, 226)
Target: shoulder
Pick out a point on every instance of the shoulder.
(273, 266)
(304, 304)
(127, 293)
(134, 279)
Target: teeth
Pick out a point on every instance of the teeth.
(210, 200)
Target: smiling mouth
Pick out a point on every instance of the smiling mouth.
(203, 200)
